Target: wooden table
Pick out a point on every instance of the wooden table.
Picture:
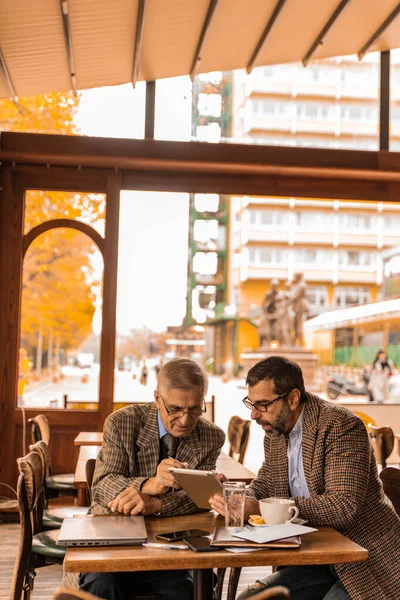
(89, 438)
(325, 546)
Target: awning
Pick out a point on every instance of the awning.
(57, 45)
(356, 315)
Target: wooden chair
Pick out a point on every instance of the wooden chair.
(365, 418)
(390, 477)
(382, 441)
(276, 593)
(238, 437)
(37, 548)
(70, 594)
(8, 506)
(89, 470)
(56, 485)
(53, 517)
(65, 593)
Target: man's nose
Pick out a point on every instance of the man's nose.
(255, 414)
(185, 418)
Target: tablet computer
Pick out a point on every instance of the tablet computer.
(200, 486)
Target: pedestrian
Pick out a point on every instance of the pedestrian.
(381, 370)
(144, 372)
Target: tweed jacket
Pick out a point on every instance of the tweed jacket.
(130, 455)
(345, 494)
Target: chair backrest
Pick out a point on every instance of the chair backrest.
(390, 478)
(238, 437)
(40, 429)
(89, 470)
(276, 593)
(29, 491)
(382, 441)
(43, 450)
(365, 418)
(70, 594)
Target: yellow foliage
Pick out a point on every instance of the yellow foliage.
(59, 280)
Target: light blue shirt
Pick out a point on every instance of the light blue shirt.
(161, 429)
(297, 481)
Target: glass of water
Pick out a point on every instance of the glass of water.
(234, 496)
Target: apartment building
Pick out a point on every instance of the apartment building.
(337, 244)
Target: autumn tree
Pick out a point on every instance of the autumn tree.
(60, 282)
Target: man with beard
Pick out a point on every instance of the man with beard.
(320, 455)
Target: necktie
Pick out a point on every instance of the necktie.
(171, 444)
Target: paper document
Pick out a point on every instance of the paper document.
(227, 537)
(274, 532)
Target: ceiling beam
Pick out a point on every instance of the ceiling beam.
(68, 44)
(379, 31)
(207, 22)
(138, 41)
(320, 37)
(265, 33)
(7, 76)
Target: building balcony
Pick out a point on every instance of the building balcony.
(355, 238)
(267, 85)
(356, 275)
(326, 90)
(311, 237)
(359, 128)
(271, 123)
(359, 91)
(268, 235)
(312, 273)
(314, 125)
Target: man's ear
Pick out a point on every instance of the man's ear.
(294, 399)
(156, 398)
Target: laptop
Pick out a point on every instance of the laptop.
(102, 531)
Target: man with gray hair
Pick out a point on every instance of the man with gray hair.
(140, 444)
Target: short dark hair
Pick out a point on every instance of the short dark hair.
(285, 374)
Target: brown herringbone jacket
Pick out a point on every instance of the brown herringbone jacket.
(130, 455)
(345, 493)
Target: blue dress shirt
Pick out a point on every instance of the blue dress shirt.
(297, 481)
(161, 429)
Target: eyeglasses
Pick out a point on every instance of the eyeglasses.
(193, 413)
(262, 406)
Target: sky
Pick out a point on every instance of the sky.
(153, 226)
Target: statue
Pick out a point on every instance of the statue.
(300, 307)
(269, 325)
(284, 312)
(285, 317)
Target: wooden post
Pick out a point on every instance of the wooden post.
(11, 228)
(384, 98)
(149, 119)
(107, 347)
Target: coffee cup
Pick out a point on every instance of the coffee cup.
(276, 511)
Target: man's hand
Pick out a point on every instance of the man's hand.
(251, 506)
(132, 502)
(164, 479)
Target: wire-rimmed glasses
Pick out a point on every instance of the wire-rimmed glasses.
(193, 413)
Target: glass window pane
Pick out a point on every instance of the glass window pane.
(60, 321)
